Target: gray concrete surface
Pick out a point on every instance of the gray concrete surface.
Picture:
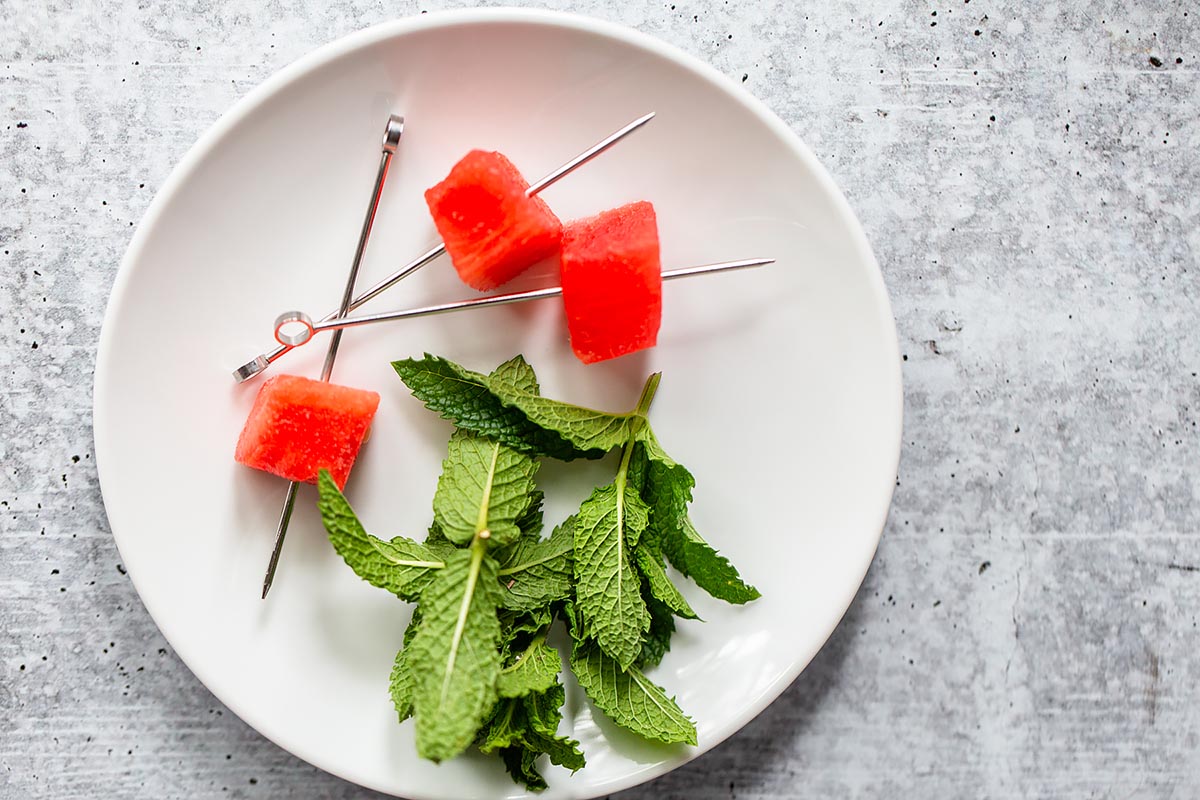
(1028, 174)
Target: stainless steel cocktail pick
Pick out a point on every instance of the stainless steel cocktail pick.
(391, 138)
(295, 328)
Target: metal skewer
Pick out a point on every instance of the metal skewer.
(288, 336)
(261, 362)
(391, 138)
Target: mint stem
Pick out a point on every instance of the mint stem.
(639, 413)
(648, 392)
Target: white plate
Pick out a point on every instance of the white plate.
(781, 386)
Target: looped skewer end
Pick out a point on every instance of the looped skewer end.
(393, 132)
(293, 337)
(251, 368)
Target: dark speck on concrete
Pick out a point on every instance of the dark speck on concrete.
(984, 567)
(1155, 61)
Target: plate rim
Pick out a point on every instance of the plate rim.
(621, 34)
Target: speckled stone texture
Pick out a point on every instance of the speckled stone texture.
(1029, 176)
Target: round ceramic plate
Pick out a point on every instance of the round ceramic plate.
(780, 390)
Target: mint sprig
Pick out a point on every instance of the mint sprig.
(477, 666)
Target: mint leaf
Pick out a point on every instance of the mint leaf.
(436, 541)
(504, 728)
(519, 626)
(660, 585)
(506, 406)
(657, 640)
(517, 374)
(521, 764)
(629, 698)
(401, 683)
(402, 566)
(544, 712)
(534, 670)
(453, 656)
(535, 574)
(668, 490)
(587, 429)
(607, 592)
(522, 729)
(466, 398)
(711, 571)
(484, 485)
(531, 522)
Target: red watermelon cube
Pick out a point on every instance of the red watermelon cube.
(299, 426)
(612, 282)
(492, 230)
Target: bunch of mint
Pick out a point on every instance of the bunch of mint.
(475, 667)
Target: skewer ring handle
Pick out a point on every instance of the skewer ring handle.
(293, 338)
(392, 133)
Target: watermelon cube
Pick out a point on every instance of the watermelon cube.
(299, 426)
(612, 282)
(492, 230)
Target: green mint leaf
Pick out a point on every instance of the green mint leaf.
(587, 429)
(402, 566)
(401, 683)
(629, 698)
(570, 615)
(535, 574)
(534, 670)
(657, 640)
(668, 491)
(522, 766)
(523, 729)
(665, 486)
(484, 485)
(436, 541)
(711, 571)
(639, 465)
(660, 585)
(544, 712)
(519, 627)
(454, 655)
(517, 374)
(563, 751)
(466, 398)
(532, 521)
(607, 591)
(504, 728)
